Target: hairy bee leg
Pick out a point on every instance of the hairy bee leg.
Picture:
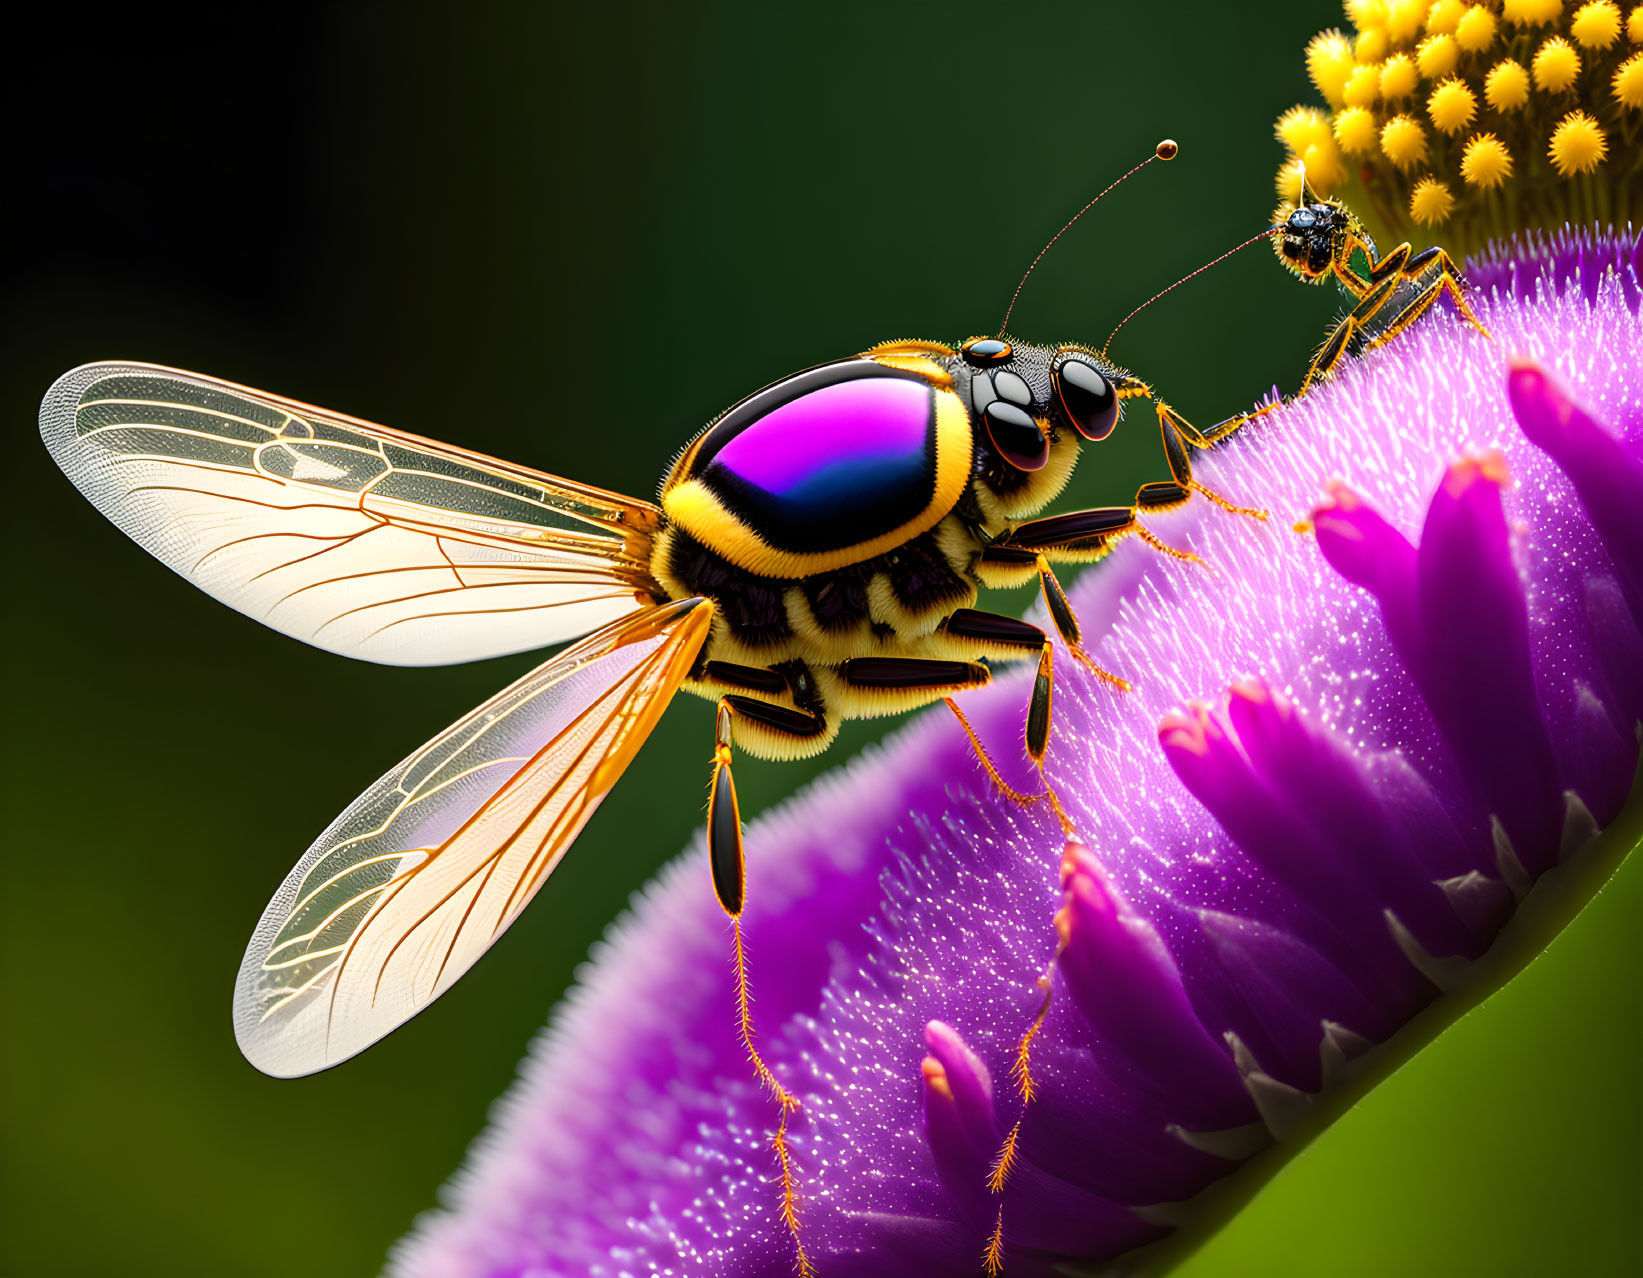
(1021, 1075)
(1017, 797)
(724, 846)
(913, 674)
(996, 634)
(1066, 625)
(1177, 432)
(1084, 536)
(1019, 638)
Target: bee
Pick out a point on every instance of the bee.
(1317, 239)
(814, 556)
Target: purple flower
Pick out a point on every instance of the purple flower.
(1359, 779)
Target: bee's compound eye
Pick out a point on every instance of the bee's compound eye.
(1013, 387)
(980, 351)
(1087, 396)
(1016, 436)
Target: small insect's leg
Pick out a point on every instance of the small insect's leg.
(1066, 625)
(1337, 343)
(724, 845)
(1451, 284)
(1448, 281)
(1385, 268)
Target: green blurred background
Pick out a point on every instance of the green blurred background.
(568, 239)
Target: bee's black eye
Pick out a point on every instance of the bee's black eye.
(1087, 397)
(985, 350)
(1015, 435)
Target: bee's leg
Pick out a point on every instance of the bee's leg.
(998, 1176)
(913, 676)
(724, 845)
(1006, 638)
(1066, 625)
(1004, 1160)
(1177, 433)
(1081, 536)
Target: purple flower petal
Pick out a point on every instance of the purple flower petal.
(1346, 760)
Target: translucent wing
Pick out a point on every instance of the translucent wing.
(353, 537)
(414, 881)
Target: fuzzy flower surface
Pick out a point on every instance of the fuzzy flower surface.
(1356, 755)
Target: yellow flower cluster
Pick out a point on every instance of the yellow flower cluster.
(1477, 116)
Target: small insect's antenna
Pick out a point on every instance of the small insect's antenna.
(1165, 150)
(1264, 235)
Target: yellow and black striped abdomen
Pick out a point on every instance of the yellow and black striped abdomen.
(826, 469)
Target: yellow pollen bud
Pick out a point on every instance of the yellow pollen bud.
(1557, 65)
(1324, 168)
(1476, 30)
(1596, 25)
(1363, 88)
(1301, 127)
(1628, 84)
(1578, 144)
(1403, 20)
(1430, 202)
(1403, 141)
(1634, 24)
(1398, 77)
(1486, 162)
(1364, 13)
(1355, 130)
(1452, 106)
(1370, 46)
(1444, 16)
(1507, 86)
(1289, 184)
(1437, 56)
(1329, 62)
(1531, 13)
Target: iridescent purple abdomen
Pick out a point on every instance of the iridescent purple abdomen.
(829, 459)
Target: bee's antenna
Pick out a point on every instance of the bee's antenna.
(1266, 234)
(1165, 150)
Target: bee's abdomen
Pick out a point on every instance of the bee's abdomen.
(751, 606)
(824, 469)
